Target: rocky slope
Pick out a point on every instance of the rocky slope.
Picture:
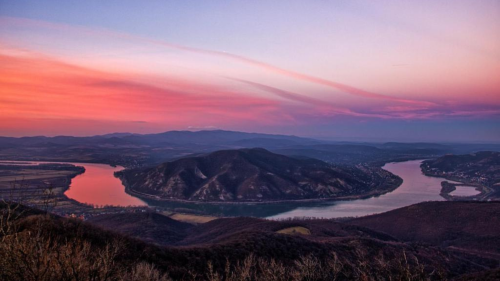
(255, 175)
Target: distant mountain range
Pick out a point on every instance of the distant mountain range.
(215, 137)
(255, 175)
(139, 150)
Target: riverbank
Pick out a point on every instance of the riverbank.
(480, 170)
(46, 183)
(448, 188)
(40, 182)
(414, 187)
(484, 191)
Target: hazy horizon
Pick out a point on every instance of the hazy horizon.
(353, 139)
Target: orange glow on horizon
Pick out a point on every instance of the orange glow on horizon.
(39, 88)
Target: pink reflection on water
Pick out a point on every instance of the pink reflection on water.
(98, 186)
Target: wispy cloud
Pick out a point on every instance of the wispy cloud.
(221, 54)
(47, 90)
(32, 87)
(325, 106)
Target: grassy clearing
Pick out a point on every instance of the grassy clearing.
(195, 219)
(295, 230)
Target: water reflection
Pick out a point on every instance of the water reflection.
(464, 190)
(98, 186)
(416, 187)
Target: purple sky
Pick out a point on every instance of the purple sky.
(344, 70)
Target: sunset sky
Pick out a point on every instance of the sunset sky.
(339, 70)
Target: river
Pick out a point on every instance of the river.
(98, 186)
(416, 188)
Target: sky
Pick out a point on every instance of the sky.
(338, 70)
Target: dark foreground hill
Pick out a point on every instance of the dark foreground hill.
(162, 230)
(149, 227)
(470, 227)
(255, 175)
(40, 247)
(466, 226)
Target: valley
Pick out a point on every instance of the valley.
(179, 187)
(100, 180)
(345, 214)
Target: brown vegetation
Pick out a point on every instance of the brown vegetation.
(194, 219)
(470, 226)
(38, 246)
(295, 230)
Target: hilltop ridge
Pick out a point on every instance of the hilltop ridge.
(255, 175)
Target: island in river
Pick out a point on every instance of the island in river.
(99, 178)
(255, 175)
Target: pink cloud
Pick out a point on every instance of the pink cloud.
(238, 58)
(34, 87)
